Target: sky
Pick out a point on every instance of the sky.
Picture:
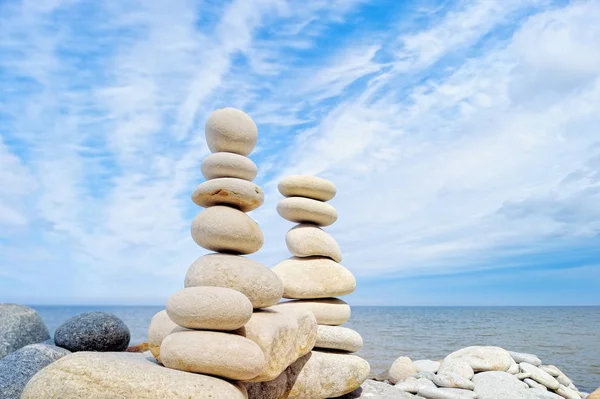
(463, 138)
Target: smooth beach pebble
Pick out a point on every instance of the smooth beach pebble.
(240, 194)
(310, 240)
(307, 186)
(94, 332)
(306, 210)
(327, 311)
(339, 338)
(314, 277)
(231, 130)
(224, 229)
(209, 308)
(215, 353)
(256, 281)
(228, 164)
(160, 326)
(483, 358)
(401, 369)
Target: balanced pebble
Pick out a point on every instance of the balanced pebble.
(310, 240)
(327, 311)
(238, 193)
(307, 186)
(228, 164)
(213, 308)
(224, 229)
(339, 338)
(160, 327)
(231, 130)
(306, 210)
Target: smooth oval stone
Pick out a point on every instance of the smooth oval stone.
(426, 365)
(94, 375)
(445, 393)
(314, 277)
(257, 282)
(231, 130)
(412, 385)
(539, 375)
(339, 338)
(209, 308)
(327, 311)
(307, 186)
(94, 332)
(401, 369)
(228, 164)
(19, 326)
(525, 357)
(452, 381)
(224, 229)
(237, 193)
(160, 326)
(17, 368)
(550, 369)
(498, 384)
(215, 353)
(456, 367)
(483, 358)
(306, 210)
(310, 240)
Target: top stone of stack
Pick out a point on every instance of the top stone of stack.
(231, 130)
(307, 186)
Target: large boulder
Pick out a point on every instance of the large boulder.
(17, 368)
(94, 375)
(93, 331)
(19, 326)
(483, 358)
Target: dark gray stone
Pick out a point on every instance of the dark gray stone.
(19, 326)
(93, 331)
(17, 368)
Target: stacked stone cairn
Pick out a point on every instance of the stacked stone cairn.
(220, 324)
(313, 278)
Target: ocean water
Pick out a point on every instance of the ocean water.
(568, 337)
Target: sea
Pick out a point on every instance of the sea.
(567, 337)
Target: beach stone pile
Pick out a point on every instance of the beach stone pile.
(313, 278)
(477, 372)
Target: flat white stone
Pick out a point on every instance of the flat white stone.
(533, 384)
(459, 367)
(306, 210)
(228, 164)
(412, 384)
(427, 365)
(328, 311)
(539, 375)
(483, 358)
(525, 357)
(452, 381)
(338, 338)
(307, 186)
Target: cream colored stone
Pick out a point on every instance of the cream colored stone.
(327, 311)
(329, 375)
(314, 277)
(307, 186)
(231, 130)
(215, 353)
(306, 210)
(401, 369)
(483, 358)
(284, 335)
(209, 308)
(160, 326)
(339, 338)
(228, 164)
(262, 287)
(310, 240)
(237, 193)
(224, 229)
(117, 375)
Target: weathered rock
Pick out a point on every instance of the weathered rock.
(231, 130)
(427, 365)
(257, 282)
(228, 164)
(445, 393)
(328, 375)
(338, 338)
(457, 367)
(281, 386)
(552, 370)
(539, 375)
(123, 375)
(215, 353)
(93, 331)
(209, 308)
(314, 277)
(237, 193)
(306, 210)
(452, 381)
(224, 229)
(483, 358)
(327, 311)
(19, 326)
(160, 326)
(412, 384)
(401, 369)
(567, 393)
(310, 240)
(307, 186)
(533, 384)
(525, 357)
(284, 335)
(17, 368)
(499, 384)
(376, 390)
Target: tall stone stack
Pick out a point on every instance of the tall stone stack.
(313, 278)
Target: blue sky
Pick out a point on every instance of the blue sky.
(463, 137)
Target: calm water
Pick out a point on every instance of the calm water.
(568, 337)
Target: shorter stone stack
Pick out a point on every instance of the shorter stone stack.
(314, 279)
